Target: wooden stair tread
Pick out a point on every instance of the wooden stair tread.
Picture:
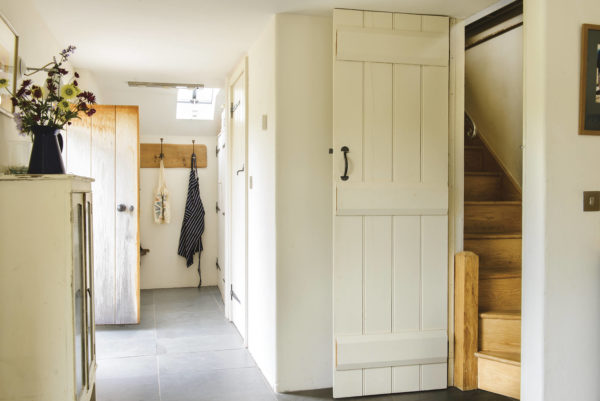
(510, 358)
(499, 272)
(483, 173)
(504, 315)
(492, 235)
(493, 203)
(477, 146)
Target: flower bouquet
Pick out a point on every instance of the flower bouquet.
(43, 110)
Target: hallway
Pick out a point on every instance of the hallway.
(184, 350)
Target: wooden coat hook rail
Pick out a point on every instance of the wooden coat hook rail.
(174, 156)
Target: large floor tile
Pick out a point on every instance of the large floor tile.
(127, 379)
(175, 364)
(199, 343)
(225, 384)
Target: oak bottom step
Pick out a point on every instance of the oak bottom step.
(499, 372)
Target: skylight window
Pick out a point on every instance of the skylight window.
(196, 104)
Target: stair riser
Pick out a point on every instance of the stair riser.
(492, 218)
(483, 188)
(479, 159)
(492, 252)
(500, 294)
(500, 335)
(498, 377)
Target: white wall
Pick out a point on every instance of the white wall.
(494, 96)
(290, 204)
(304, 202)
(561, 252)
(162, 267)
(261, 203)
(37, 46)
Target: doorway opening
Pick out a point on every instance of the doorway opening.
(490, 267)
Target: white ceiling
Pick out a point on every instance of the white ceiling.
(191, 40)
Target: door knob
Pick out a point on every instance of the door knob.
(131, 208)
(121, 207)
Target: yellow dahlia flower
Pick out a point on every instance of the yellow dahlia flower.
(69, 91)
(64, 105)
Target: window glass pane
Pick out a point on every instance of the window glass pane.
(198, 106)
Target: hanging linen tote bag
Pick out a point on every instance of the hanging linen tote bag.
(161, 204)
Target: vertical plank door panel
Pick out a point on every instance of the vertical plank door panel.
(348, 231)
(127, 268)
(435, 125)
(406, 379)
(407, 272)
(407, 123)
(434, 272)
(378, 122)
(378, 275)
(348, 118)
(103, 188)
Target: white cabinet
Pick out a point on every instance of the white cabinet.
(47, 330)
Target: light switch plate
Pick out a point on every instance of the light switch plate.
(591, 201)
(264, 122)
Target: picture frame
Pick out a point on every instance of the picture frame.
(589, 91)
(9, 56)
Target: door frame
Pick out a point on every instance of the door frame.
(240, 72)
(456, 168)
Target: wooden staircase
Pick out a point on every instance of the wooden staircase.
(493, 231)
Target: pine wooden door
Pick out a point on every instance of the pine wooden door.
(390, 224)
(106, 148)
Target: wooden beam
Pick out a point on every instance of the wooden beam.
(175, 156)
(466, 308)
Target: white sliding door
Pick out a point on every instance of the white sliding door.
(390, 225)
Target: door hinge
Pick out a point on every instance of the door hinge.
(218, 267)
(234, 107)
(234, 296)
(217, 151)
(217, 208)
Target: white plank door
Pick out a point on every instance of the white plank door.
(221, 207)
(238, 205)
(390, 225)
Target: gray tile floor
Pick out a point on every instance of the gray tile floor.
(185, 350)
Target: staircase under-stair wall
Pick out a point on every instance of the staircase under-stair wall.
(492, 230)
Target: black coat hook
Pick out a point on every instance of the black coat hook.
(162, 155)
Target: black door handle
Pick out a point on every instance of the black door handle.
(345, 150)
